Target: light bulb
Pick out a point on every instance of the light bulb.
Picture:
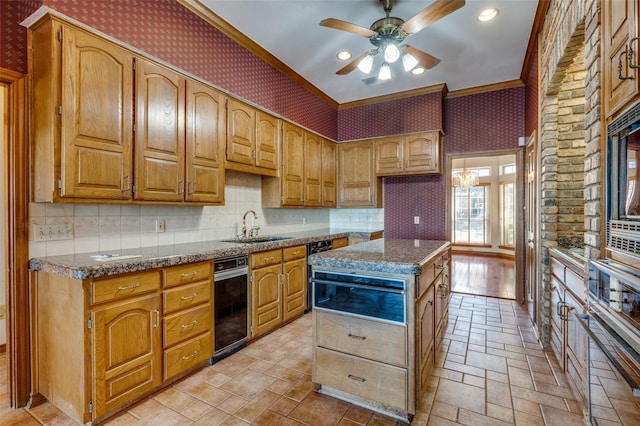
(409, 62)
(391, 53)
(385, 72)
(366, 64)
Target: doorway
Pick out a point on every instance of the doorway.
(485, 223)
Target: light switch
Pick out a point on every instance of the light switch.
(416, 220)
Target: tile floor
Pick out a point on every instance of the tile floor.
(491, 371)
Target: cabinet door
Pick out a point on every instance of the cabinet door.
(328, 173)
(96, 122)
(556, 323)
(292, 165)
(160, 133)
(267, 131)
(425, 331)
(389, 155)
(267, 299)
(313, 170)
(619, 22)
(204, 144)
(126, 352)
(357, 185)
(422, 152)
(241, 142)
(576, 351)
(295, 288)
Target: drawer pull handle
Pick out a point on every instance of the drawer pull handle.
(129, 287)
(193, 295)
(295, 253)
(356, 378)
(355, 336)
(193, 274)
(184, 358)
(157, 324)
(193, 324)
(268, 259)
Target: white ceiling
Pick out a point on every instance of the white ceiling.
(472, 53)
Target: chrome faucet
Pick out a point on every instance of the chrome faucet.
(253, 232)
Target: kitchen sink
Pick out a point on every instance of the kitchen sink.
(265, 239)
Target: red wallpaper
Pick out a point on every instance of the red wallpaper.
(170, 32)
(409, 115)
(531, 99)
(484, 122)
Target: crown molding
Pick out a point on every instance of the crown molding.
(486, 88)
(438, 88)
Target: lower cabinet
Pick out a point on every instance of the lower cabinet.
(337, 243)
(102, 344)
(278, 287)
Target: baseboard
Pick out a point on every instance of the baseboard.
(3, 348)
(483, 254)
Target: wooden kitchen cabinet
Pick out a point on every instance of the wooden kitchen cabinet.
(293, 165)
(253, 141)
(329, 176)
(358, 185)
(82, 115)
(620, 29)
(278, 287)
(337, 243)
(412, 154)
(312, 170)
(425, 338)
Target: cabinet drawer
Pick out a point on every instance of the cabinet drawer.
(557, 269)
(186, 296)
(123, 286)
(297, 252)
(265, 258)
(369, 339)
(576, 284)
(340, 242)
(187, 355)
(425, 280)
(185, 274)
(184, 325)
(367, 379)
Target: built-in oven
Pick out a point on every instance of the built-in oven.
(231, 297)
(315, 247)
(360, 295)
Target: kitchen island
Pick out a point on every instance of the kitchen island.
(380, 311)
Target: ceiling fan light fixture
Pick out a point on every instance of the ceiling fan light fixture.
(488, 14)
(385, 72)
(344, 55)
(418, 71)
(391, 53)
(409, 62)
(366, 64)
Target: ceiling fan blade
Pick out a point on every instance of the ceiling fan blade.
(425, 60)
(351, 65)
(430, 14)
(347, 26)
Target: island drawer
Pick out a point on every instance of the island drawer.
(337, 243)
(367, 379)
(296, 252)
(374, 340)
(184, 325)
(186, 296)
(186, 355)
(189, 273)
(265, 258)
(124, 286)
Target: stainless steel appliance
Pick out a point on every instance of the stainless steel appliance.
(367, 296)
(315, 247)
(230, 281)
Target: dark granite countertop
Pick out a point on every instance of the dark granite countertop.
(83, 265)
(396, 256)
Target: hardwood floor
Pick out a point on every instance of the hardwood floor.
(483, 276)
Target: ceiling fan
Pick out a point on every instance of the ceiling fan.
(388, 34)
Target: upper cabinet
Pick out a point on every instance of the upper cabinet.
(84, 121)
(252, 142)
(329, 158)
(358, 185)
(620, 37)
(409, 154)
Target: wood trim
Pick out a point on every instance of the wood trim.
(531, 53)
(486, 88)
(17, 244)
(229, 30)
(459, 252)
(396, 96)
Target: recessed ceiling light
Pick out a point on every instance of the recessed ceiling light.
(488, 14)
(344, 55)
(417, 71)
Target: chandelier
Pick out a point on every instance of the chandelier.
(465, 179)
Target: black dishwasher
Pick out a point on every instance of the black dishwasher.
(230, 305)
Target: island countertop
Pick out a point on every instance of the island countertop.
(398, 256)
(83, 265)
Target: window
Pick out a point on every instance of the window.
(508, 169)
(471, 217)
(480, 171)
(507, 214)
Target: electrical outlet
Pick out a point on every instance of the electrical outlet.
(60, 231)
(3, 312)
(416, 220)
(160, 225)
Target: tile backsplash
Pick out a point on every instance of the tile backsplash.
(113, 227)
